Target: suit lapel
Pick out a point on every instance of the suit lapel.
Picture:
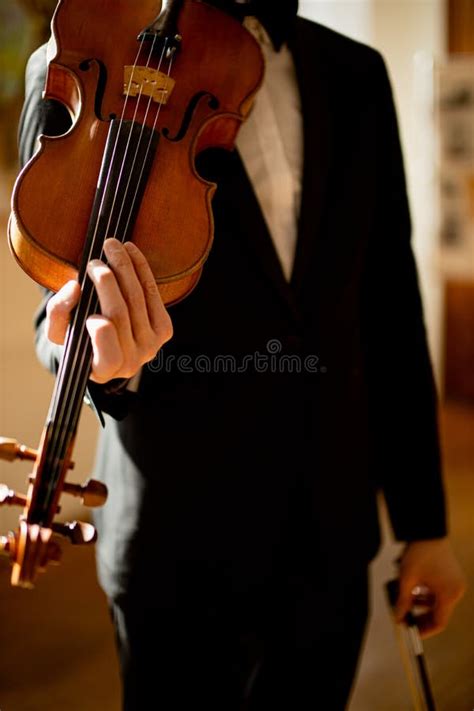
(317, 134)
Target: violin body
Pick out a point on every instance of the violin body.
(146, 91)
(93, 40)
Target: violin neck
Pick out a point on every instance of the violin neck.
(120, 187)
(119, 191)
(64, 412)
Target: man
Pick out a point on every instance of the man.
(242, 509)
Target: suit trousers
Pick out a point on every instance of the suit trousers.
(292, 644)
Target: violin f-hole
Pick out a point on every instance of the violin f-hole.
(84, 66)
(189, 113)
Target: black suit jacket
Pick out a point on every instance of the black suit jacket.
(228, 461)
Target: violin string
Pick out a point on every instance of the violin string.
(92, 300)
(124, 161)
(80, 375)
(123, 113)
(150, 140)
(95, 299)
(70, 378)
(91, 296)
(93, 241)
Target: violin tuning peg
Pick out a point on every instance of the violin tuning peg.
(8, 497)
(78, 532)
(93, 493)
(10, 449)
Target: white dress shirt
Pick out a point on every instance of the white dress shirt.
(270, 143)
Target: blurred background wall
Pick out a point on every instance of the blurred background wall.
(61, 633)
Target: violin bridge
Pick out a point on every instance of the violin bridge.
(144, 81)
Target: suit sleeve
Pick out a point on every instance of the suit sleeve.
(402, 395)
(51, 118)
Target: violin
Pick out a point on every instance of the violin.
(147, 89)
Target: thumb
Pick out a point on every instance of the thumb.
(58, 311)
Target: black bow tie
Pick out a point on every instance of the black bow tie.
(275, 15)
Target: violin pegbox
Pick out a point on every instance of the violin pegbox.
(32, 546)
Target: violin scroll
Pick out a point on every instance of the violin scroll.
(33, 546)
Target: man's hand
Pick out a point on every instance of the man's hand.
(133, 323)
(430, 563)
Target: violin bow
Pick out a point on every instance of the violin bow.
(411, 649)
